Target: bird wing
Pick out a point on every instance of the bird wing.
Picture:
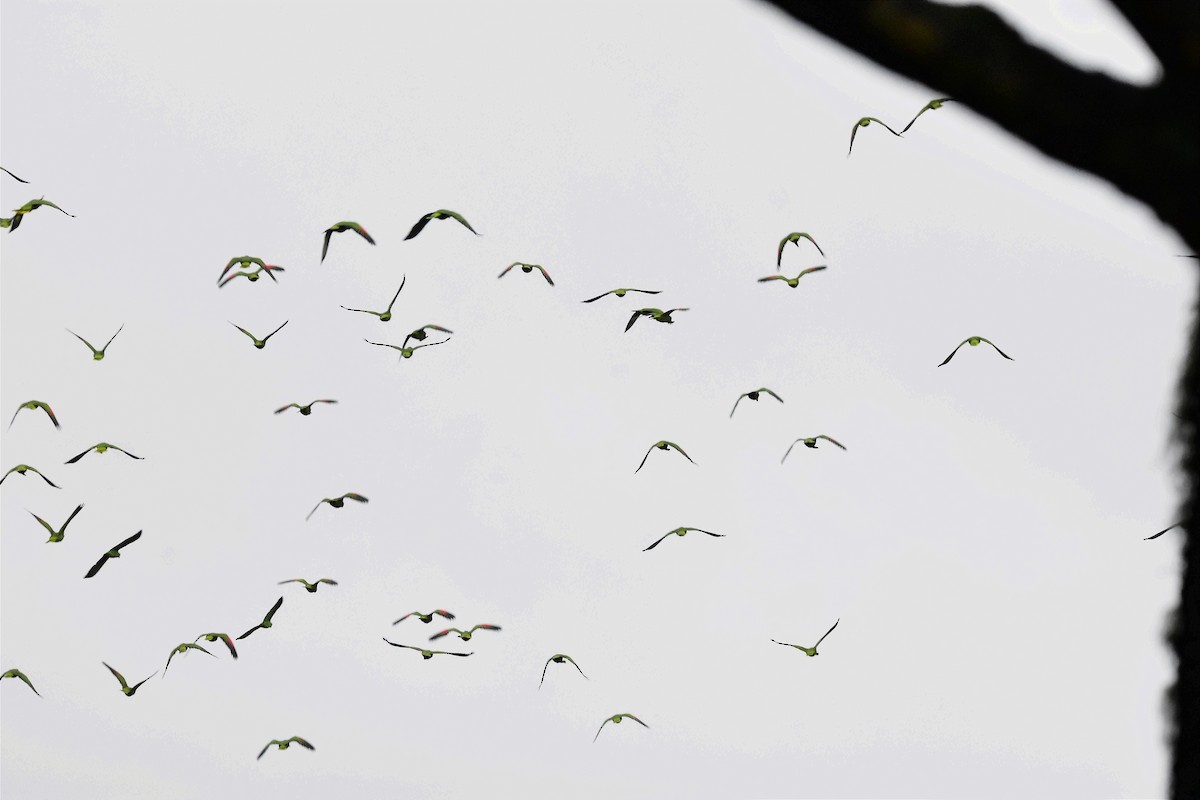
(81, 455)
(644, 458)
(735, 404)
(139, 683)
(277, 330)
(602, 724)
(292, 580)
(173, 652)
(324, 250)
(793, 444)
(440, 634)
(130, 540)
(710, 533)
(853, 133)
(818, 644)
(804, 272)
(420, 226)
(665, 535)
(268, 747)
(14, 176)
(327, 580)
(78, 508)
(406, 616)
(281, 409)
(597, 297)
(459, 217)
(43, 477)
(403, 280)
(814, 241)
(545, 274)
(22, 675)
(395, 644)
(998, 350)
(543, 680)
(832, 441)
(633, 319)
(323, 401)
(772, 278)
(485, 627)
(952, 352)
(361, 231)
(784, 241)
(443, 613)
(118, 675)
(568, 658)
(444, 653)
(270, 268)
(243, 330)
(126, 452)
(85, 341)
(96, 567)
(301, 742)
(768, 391)
(318, 505)
(53, 532)
(680, 449)
(884, 124)
(49, 413)
(1160, 533)
(247, 633)
(274, 608)
(635, 719)
(353, 496)
(504, 271)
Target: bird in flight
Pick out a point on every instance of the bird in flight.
(311, 588)
(253, 277)
(34, 405)
(182, 648)
(681, 532)
(125, 687)
(14, 222)
(21, 469)
(464, 635)
(794, 238)
(266, 623)
(753, 396)
(115, 552)
(241, 262)
(616, 720)
(224, 637)
(339, 228)
(656, 314)
(97, 355)
(527, 268)
(337, 502)
(811, 442)
(426, 618)
(1164, 530)
(439, 214)
(932, 105)
(304, 410)
(558, 658)
(862, 123)
(792, 282)
(974, 342)
(386, 314)
(260, 343)
(427, 654)
(622, 292)
(405, 352)
(103, 447)
(419, 334)
(663, 445)
(22, 180)
(283, 745)
(16, 673)
(57, 535)
(809, 651)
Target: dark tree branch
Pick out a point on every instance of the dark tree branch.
(1142, 139)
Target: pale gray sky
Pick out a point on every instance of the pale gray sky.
(980, 539)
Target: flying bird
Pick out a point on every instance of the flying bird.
(125, 687)
(426, 618)
(656, 314)
(794, 238)
(616, 720)
(103, 447)
(266, 623)
(753, 396)
(811, 443)
(1164, 530)
(558, 658)
(792, 282)
(16, 673)
(386, 314)
(464, 635)
(337, 502)
(974, 342)
(97, 355)
(527, 268)
(283, 745)
(241, 262)
(22, 180)
(260, 343)
(440, 214)
(182, 648)
(21, 469)
(224, 637)
(809, 651)
(682, 532)
(427, 654)
(622, 292)
(663, 445)
(419, 334)
(932, 105)
(57, 535)
(34, 405)
(311, 588)
(304, 410)
(14, 222)
(405, 352)
(253, 277)
(115, 552)
(339, 228)
(862, 123)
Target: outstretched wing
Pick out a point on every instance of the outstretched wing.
(274, 608)
(504, 271)
(772, 278)
(96, 568)
(768, 391)
(324, 250)
(998, 350)
(361, 231)
(818, 644)
(318, 505)
(440, 634)
(735, 404)
(831, 440)
(1148, 538)
(130, 540)
(635, 719)
(358, 497)
(632, 319)
(952, 352)
(268, 747)
(403, 280)
(118, 676)
(81, 455)
(644, 458)
(602, 724)
(680, 449)
(126, 452)
(651, 547)
(301, 742)
(22, 180)
(277, 330)
(53, 532)
(793, 444)
(282, 409)
(545, 274)
(420, 226)
(594, 299)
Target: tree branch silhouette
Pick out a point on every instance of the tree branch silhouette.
(1145, 140)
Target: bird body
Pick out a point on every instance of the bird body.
(405, 352)
(662, 445)
(386, 314)
(284, 743)
(97, 355)
(259, 344)
(34, 405)
(441, 213)
(103, 447)
(115, 552)
(681, 532)
(809, 651)
(57, 535)
(304, 410)
(337, 502)
(616, 720)
(266, 623)
(311, 588)
(427, 654)
(973, 341)
(811, 443)
(622, 293)
(21, 469)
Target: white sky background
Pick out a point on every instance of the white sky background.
(1001, 619)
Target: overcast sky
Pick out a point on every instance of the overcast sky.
(980, 539)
